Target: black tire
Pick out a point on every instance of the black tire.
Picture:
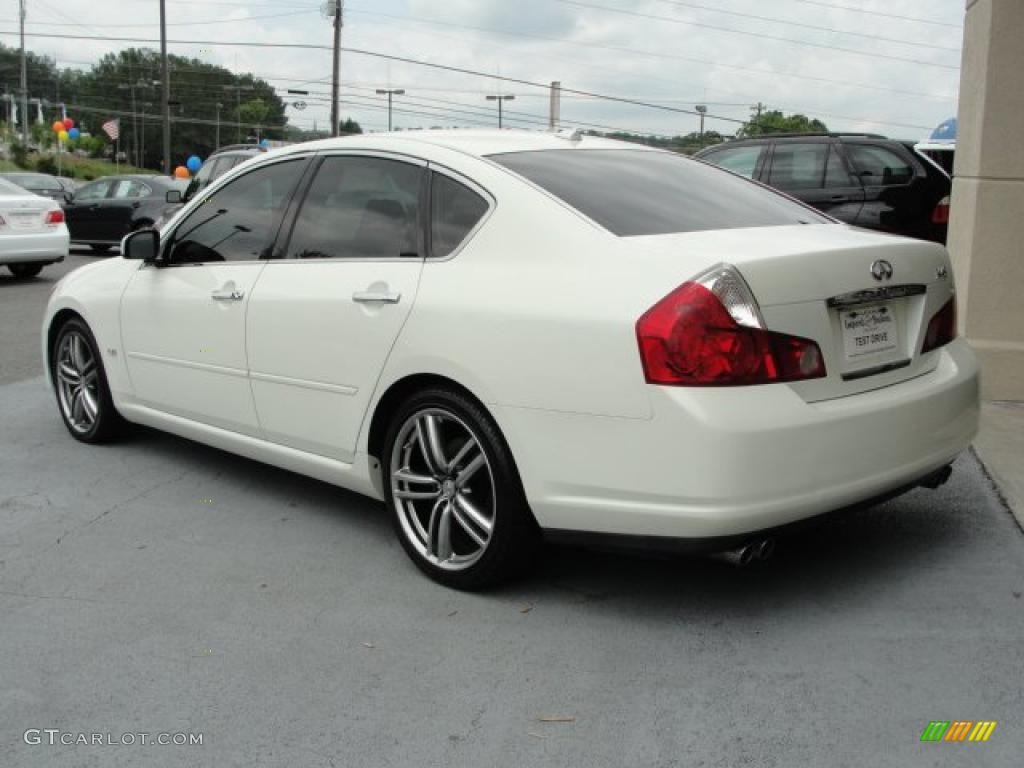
(108, 423)
(100, 248)
(514, 536)
(22, 271)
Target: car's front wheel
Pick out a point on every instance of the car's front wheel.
(25, 270)
(457, 502)
(83, 395)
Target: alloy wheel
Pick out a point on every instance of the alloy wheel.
(443, 489)
(77, 382)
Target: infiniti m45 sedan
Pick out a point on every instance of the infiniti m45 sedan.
(511, 336)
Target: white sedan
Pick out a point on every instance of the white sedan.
(509, 336)
(32, 231)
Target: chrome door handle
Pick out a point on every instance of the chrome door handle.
(376, 297)
(227, 295)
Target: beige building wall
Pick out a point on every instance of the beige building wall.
(986, 235)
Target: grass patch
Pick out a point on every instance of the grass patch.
(82, 168)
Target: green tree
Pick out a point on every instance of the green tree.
(774, 121)
(349, 126)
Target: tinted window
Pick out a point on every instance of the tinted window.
(95, 191)
(35, 181)
(7, 188)
(454, 210)
(643, 192)
(836, 174)
(741, 160)
(798, 166)
(239, 222)
(878, 165)
(359, 207)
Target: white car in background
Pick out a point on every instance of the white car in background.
(32, 231)
(507, 336)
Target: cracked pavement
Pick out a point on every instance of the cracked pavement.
(284, 623)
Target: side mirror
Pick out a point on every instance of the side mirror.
(173, 196)
(142, 245)
(68, 197)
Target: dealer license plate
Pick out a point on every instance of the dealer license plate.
(868, 330)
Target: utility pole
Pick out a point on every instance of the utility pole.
(24, 81)
(165, 78)
(335, 82)
(390, 92)
(130, 87)
(702, 108)
(500, 98)
(555, 108)
(237, 88)
(218, 105)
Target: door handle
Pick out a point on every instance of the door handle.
(225, 295)
(377, 297)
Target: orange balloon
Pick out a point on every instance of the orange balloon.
(58, 126)
(181, 172)
(68, 123)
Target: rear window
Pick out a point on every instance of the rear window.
(35, 181)
(640, 192)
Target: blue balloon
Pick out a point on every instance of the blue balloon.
(193, 163)
(74, 133)
(265, 143)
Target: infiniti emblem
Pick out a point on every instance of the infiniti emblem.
(881, 270)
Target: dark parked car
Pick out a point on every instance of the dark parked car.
(216, 165)
(862, 179)
(104, 211)
(42, 184)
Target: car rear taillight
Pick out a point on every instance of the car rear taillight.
(941, 213)
(53, 218)
(709, 332)
(942, 328)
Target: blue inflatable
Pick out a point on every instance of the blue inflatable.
(946, 131)
(193, 164)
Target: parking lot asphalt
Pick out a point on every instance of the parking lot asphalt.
(159, 586)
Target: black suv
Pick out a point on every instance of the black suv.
(217, 164)
(862, 179)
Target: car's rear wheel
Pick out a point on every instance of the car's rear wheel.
(456, 499)
(25, 270)
(83, 395)
(100, 248)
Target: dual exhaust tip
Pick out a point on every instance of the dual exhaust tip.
(757, 550)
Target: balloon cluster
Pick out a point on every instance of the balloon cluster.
(190, 168)
(65, 129)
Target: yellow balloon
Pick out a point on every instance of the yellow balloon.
(63, 135)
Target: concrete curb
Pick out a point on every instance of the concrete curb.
(1000, 448)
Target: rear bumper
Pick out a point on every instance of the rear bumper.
(726, 462)
(46, 247)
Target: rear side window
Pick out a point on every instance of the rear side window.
(798, 166)
(643, 192)
(359, 208)
(741, 160)
(455, 210)
(836, 174)
(879, 165)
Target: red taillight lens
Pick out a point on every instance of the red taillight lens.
(942, 328)
(690, 339)
(941, 213)
(53, 218)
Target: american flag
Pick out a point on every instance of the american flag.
(112, 128)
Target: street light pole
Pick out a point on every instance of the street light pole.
(390, 92)
(499, 97)
(165, 79)
(24, 82)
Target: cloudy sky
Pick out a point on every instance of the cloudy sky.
(886, 66)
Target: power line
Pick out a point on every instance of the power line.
(698, 6)
(656, 55)
(851, 9)
(730, 30)
(172, 24)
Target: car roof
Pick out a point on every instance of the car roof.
(475, 142)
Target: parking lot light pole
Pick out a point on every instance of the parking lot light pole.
(702, 108)
(390, 92)
(500, 97)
